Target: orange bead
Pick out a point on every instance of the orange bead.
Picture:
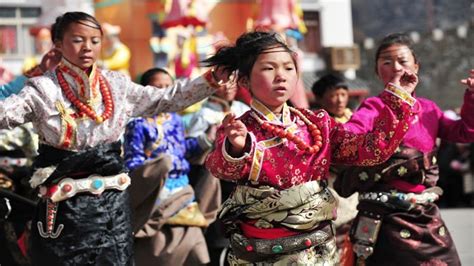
(318, 143)
(298, 141)
(302, 146)
(316, 148)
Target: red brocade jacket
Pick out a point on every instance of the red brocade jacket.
(277, 162)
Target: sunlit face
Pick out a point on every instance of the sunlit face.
(273, 78)
(335, 101)
(81, 44)
(161, 80)
(395, 59)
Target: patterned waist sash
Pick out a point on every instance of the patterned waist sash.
(53, 164)
(408, 166)
(301, 207)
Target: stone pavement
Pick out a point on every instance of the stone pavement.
(460, 223)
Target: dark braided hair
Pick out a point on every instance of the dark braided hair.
(244, 53)
(62, 24)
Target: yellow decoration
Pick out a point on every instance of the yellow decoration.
(190, 216)
(404, 233)
(402, 171)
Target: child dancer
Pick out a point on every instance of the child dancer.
(80, 112)
(398, 195)
(281, 210)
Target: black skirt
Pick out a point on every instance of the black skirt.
(97, 231)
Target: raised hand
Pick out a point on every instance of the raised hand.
(236, 133)
(406, 80)
(50, 60)
(222, 76)
(469, 81)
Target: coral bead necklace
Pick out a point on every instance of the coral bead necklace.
(85, 108)
(300, 144)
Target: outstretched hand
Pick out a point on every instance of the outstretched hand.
(236, 133)
(50, 60)
(469, 81)
(221, 77)
(406, 80)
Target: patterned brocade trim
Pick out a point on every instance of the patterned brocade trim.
(231, 159)
(68, 125)
(34, 72)
(259, 153)
(400, 93)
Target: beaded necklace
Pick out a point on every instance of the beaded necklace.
(80, 81)
(85, 109)
(300, 144)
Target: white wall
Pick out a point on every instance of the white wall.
(336, 23)
(54, 8)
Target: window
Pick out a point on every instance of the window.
(312, 39)
(15, 24)
(8, 40)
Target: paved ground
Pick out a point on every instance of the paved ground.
(460, 223)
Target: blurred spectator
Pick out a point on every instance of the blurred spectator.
(203, 122)
(116, 55)
(455, 171)
(167, 219)
(332, 94)
(5, 75)
(43, 44)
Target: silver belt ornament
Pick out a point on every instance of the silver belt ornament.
(51, 212)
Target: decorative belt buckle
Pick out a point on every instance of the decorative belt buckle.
(367, 229)
(365, 235)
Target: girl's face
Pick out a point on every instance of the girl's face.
(81, 44)
(394, 59)
(273, 78)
